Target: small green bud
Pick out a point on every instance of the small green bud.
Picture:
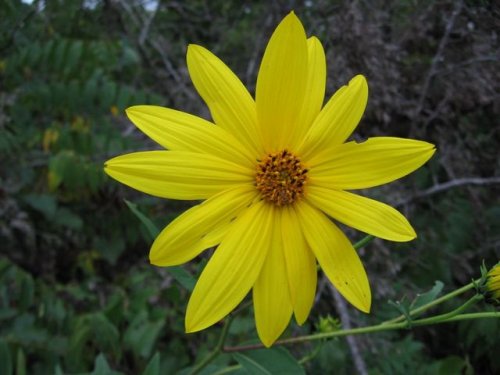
(328, 324)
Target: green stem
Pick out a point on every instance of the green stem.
(364, 241)
(313, 354)
(437, 301)
(470, 316)
(321, 336)
(369, 329)
(438, 318)
(218, 349)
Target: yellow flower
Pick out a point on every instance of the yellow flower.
(271, 171)
(492, 285)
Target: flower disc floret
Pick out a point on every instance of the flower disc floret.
(280, 178)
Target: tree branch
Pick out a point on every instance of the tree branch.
(438, 188)
(352, 341)
(438, 56)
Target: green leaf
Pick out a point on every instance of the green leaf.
(152, 229)
(114, 309)
(27, 292)
(452, 365)
(153, 367)
(73, 95)
(427, 297)
(58, 370)
(74, 53)
(182, 276)
(5, 359)
(94, 177)
(123, 98)
(110, 248)
(89, 91)
(101, 367)
(129, 55)
(214, 369)
(76, 351)
(59, 54)
(21, 362)
(59, 166)
(142, 334)
(33, 54)
(105, 333)
(269, 361)
(67, 218)
(27, 332)
(44, 203)
(402, 306)
(108, 94)
(47, 54)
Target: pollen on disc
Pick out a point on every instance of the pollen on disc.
(280, 178)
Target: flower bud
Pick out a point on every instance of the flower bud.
(491, 285)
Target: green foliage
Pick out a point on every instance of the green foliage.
(427, 297)
(6, 364)
(404, 306)
(478, 340)
(268, 361)
(70, 329)
(179, 273)
(77, 294)
(153, 367)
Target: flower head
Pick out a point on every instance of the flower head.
(491, 286)
(272, 172)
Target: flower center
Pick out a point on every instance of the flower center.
(280, 178)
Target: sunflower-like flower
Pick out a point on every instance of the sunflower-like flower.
(272, 172)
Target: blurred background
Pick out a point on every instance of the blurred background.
(77, 294)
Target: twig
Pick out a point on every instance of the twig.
(466, 63)
(437, 57)
(142, 41)
(166, 61)
(438, 188)
(352, 341)
(147, 24)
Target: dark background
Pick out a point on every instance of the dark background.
(76, 291)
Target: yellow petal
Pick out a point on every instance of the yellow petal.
(336, 256)
(177, 174)
(314, 92)
(230, 104)
(364, 214)
(338, 118)
(232, 270)
(200, 227)
(281, 83)
(374, 162)
(300, 265)
(271, 298)
(180, 131)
